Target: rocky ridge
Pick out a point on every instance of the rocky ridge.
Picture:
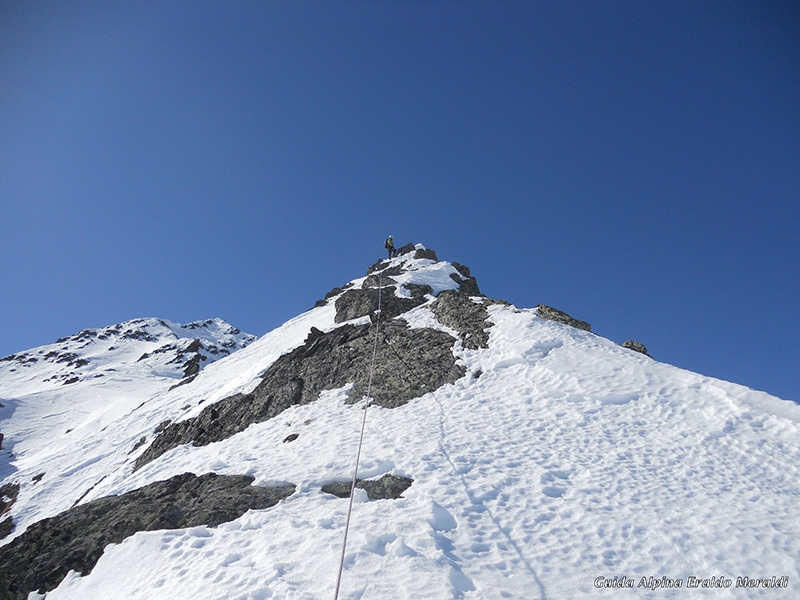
(428, 311)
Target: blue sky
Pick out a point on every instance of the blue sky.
(636, 164)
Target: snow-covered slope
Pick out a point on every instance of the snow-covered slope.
(560, 464)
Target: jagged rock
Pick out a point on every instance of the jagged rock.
(6, 527)
(379, 280)
(192, 366)
(291, 437)
(467, 284)
(421, 360)
(388, 487)
(142, 441)
(418, 289)
(406, 249)
(334, 292)
(378, 266)
(635, 346)
(354, 304)
(459, 312)
(74, 540)
(425, 253)
(553, 314)
(8, 495)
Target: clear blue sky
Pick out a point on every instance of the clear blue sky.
(636, 164)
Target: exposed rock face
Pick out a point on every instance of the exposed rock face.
(467, 283)
(458, 311)
(388, 487)
(8, 495)
(354, 304)
(418, 361)
(406, 249)
(635, 346)
(325, 361)
(6, 527)
(553, 314)
(74, 540)
(426, 253)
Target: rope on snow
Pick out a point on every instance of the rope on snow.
(361, 439)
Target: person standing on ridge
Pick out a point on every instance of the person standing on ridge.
(389, 245)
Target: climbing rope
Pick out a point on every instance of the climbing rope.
(361, 439)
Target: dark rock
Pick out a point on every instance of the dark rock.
(458, 311)
(379, 280)
(382, 278)
(6, 527)
(338, 489)
(468, 287)
(183, 381)
(334, 292)
(37, 478)
(354, 304)
(553, 314)
(327, 361)
(425, 253)
(408, 248)
(388, 487)
(8, 495)
(192, 366)
(73, 379)
(635, 346)
(40, 558)
(193, 346)
(420, 361)
(291, 437)
(418, 290)
(313, 334)
(463, 269)
(378, 266)
(142, 441)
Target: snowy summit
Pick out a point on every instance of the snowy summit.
(507, 453)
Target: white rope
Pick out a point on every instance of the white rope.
(361, 439)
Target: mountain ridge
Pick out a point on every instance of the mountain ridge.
(549, 458)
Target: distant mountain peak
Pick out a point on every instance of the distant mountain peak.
(162, 347)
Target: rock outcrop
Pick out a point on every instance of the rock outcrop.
(325, 361)
(635, 346)
(354, 304)
(553, 314)
(8, 495)
(388, 487)
(469, 318)
(41, 557)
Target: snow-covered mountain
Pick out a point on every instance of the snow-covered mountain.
(507, 453)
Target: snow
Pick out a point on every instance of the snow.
(559, 458)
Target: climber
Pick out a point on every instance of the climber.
(389, 245)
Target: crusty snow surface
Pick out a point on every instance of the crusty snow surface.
(559, 461)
